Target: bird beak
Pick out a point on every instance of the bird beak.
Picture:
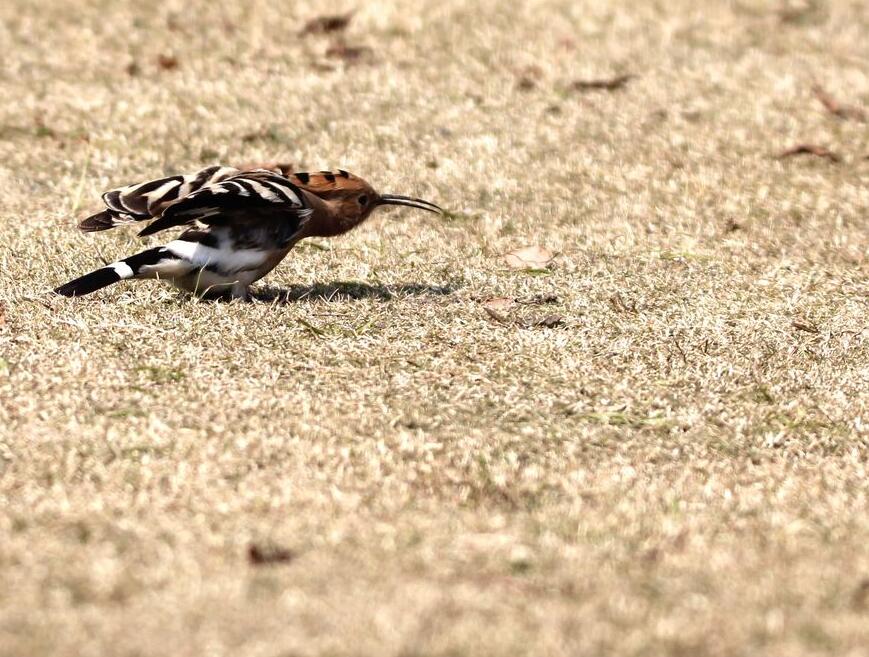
(394, 199)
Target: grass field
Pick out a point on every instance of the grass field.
(374, 458)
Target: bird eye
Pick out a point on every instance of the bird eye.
(363, 200)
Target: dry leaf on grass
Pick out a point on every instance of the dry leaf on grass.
(261, 555)
(528, 257)
(809, 149)
(498, 303)
(167, 62)
(496, 315)
(605, 84)
(325, 24)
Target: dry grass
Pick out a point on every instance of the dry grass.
(680, 468)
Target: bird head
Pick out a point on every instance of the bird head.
(351, 199)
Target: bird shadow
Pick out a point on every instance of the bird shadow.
(347, 291)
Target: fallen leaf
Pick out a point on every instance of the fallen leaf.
(809, 149)
(528, 257)
(167, 62)
(604, 84)
(262, 555)
(325, 24)
(834, 107)
(498, 303)
(348, 53)
(494, 314)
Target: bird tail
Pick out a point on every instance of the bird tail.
(117, 271)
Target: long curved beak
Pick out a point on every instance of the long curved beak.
(394, 199)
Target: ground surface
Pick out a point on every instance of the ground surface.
(679, 468)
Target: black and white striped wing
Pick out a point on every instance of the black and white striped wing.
(147, 200)
(246, 200)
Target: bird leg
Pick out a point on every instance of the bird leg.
(240, 291)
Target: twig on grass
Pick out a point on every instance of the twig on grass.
(835, 107)
(809, 149)
(603, 84)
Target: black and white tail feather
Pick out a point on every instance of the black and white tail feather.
(117, 271)
(240, 225)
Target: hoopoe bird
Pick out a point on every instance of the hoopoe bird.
(239, 224)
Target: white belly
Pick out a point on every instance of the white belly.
(203, 269)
